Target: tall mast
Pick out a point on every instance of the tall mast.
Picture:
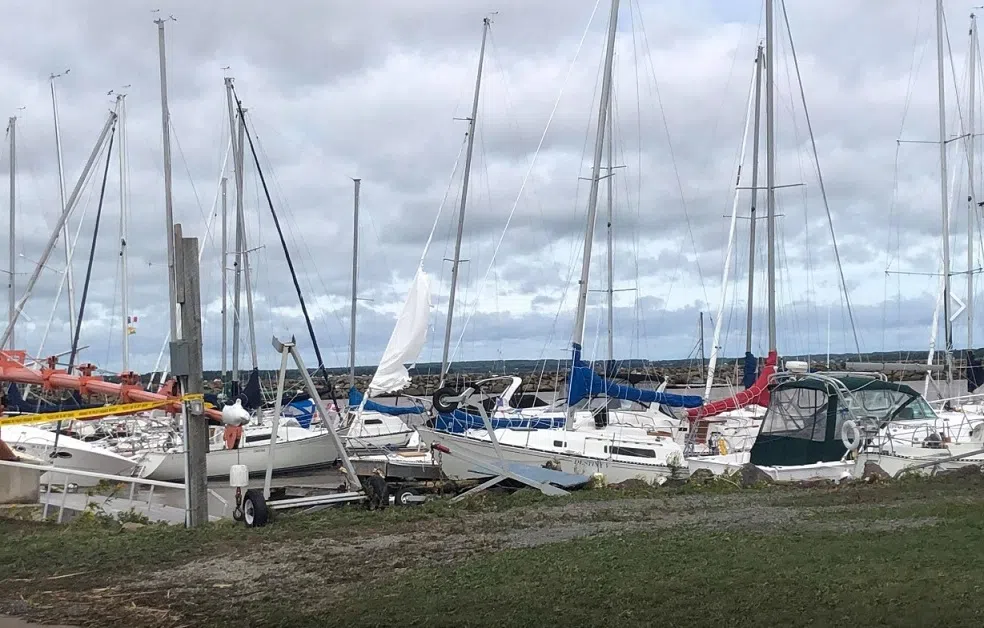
(235, 139)
(238, 265)
(770, 168)
(606, 90)
(611, 236)
(168, 202)
(971, 196)
(355, 280)
(61, 197)
(12, 282)
(486, 23)
(225, 281)
(759, 60)
(247, 276)
(53, 239)
(124, 229)
(947, 323)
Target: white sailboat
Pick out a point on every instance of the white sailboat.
(618, 452)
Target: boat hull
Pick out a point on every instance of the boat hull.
(289, 457)
(456, 468)
(72, 454)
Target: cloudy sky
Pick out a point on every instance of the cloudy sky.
(377, 90)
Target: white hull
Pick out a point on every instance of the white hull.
(72, 454)
(732, 463)
(458, 469)
(294, 455)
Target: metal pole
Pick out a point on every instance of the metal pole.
(247, 276)
(281, 377)
(168, 201)
(971, 196)
(124, 192)
(53, 239)
(611, 235)
(313, 391)
(355, 280)
(237, 265)
(759, 60)
(606, 90)
(12, 269)
(947, 323)
(461, 210)
(225, 287)
(61, 198)
(770, 168)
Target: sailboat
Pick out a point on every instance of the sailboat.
(547, 436)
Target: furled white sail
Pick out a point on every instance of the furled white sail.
(407, 340)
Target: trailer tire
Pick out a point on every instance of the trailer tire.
(402, 495)
(439, 399)
(255, 510)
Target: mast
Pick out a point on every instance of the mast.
(61, 197)
(238, 264)
(606, 88)
(611, 236)
(726, 273)
(12, 282)
(168, 201)
(486, 23)
(759, 60)
(770, 168)
(355, 280)
(53, 239)
(124, 230)
(225, 281)
(247, 277)
(947, 323)
(971, 196)
(700, 326)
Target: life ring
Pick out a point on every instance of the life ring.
(850, 435)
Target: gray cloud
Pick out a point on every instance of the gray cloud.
(372, 90)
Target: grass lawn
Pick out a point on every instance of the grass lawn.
(902, 554)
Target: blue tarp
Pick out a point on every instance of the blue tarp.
(585, 383)
(458, 421)
(355, 399)
(750, 373)
(301, 410)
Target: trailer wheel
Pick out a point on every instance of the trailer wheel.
(440, 399)
(255, 511)
(404, 497)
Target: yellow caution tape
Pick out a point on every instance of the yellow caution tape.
(92, 414)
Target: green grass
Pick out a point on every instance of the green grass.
(691, 577)
(907, 553)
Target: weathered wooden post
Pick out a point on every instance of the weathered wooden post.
(186, 364)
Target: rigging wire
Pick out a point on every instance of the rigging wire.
(823, 189)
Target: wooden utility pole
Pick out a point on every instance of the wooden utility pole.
(186, 364)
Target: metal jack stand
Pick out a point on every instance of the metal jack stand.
(313, 502)
(535, 477)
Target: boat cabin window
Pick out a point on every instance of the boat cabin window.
(559, 443)
(797, 413)
(636, 452)
(372, 421)
(889, 404)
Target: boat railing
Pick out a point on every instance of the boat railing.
(119, 479)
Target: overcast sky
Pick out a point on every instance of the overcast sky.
(377, 90)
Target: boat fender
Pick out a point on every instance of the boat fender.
(235, 414)
(441, 399)
(722, 447)
(850, 435)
